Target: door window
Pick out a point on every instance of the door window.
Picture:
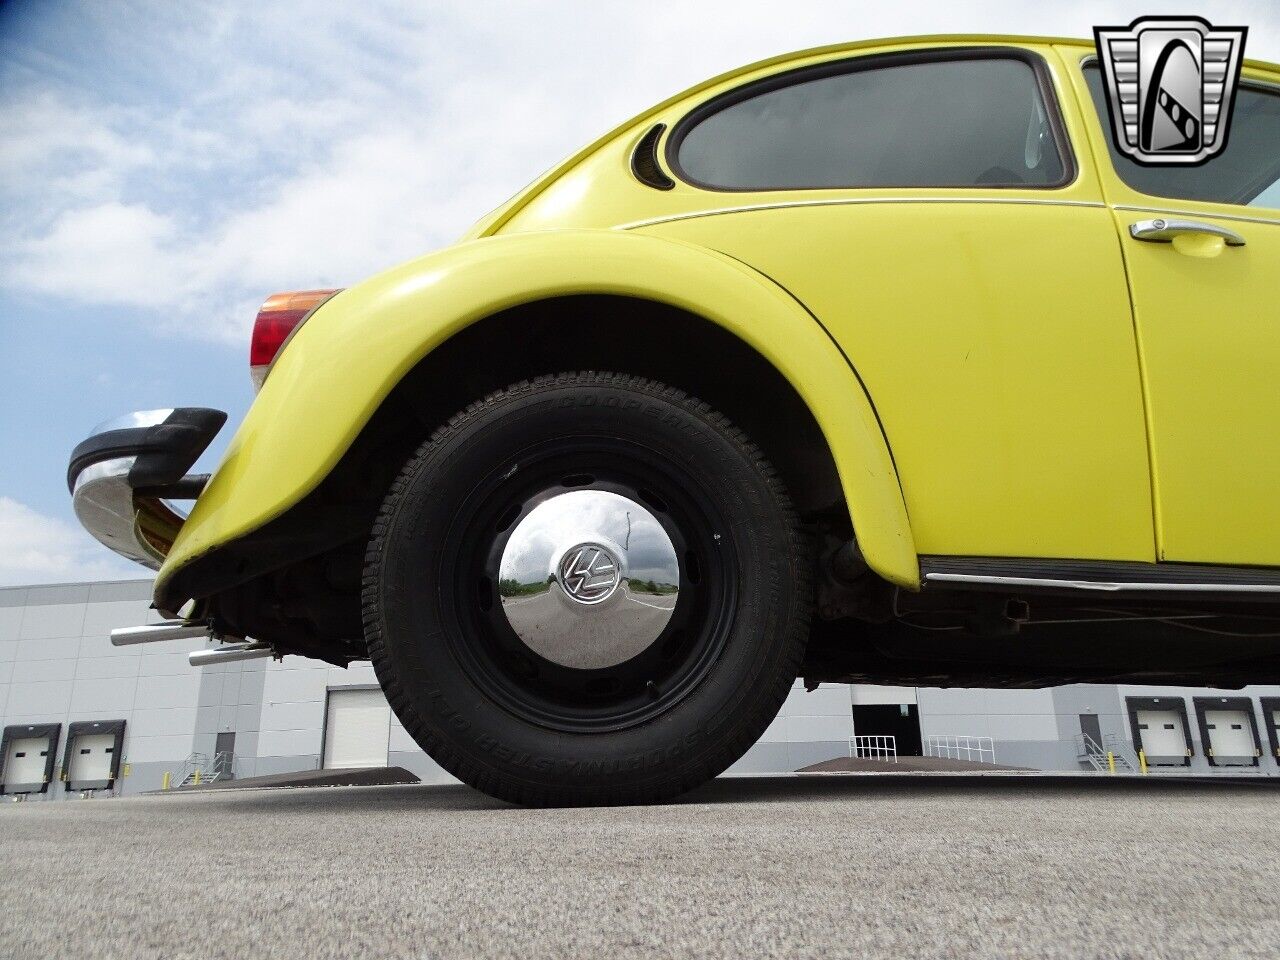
(1246, 173)
(961, 122)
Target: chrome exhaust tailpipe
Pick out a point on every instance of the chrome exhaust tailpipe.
(230, 654)
(155, 632)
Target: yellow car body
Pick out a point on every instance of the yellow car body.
(592, 487)
(997, 372)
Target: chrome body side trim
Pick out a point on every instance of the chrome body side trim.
(1133, 208)
(850, 201)
(1101, 586)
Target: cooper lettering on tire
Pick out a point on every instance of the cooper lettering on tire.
(588, 588)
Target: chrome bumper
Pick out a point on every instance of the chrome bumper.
(123, 475)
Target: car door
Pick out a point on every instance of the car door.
(1202, 246)
(930, 208)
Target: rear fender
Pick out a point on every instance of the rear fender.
(344, 361)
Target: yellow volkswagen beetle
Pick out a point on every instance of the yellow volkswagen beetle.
(875, 363)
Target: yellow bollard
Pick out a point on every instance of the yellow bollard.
(1111, 761)
(195, 778)
(1142, 761)
(164, 784)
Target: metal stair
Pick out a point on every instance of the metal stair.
(1089, 751)
(200, 768)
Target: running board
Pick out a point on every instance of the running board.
(1096, 576)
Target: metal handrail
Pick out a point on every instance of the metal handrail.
(1089, 746)
(194, 762)
(1112, 747)
(977, 749)
(874, 747)
(221, 766)
(1122, 749)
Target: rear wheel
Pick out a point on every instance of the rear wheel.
(586, 589)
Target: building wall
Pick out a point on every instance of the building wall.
(230, 701)
(291, 733)
(1268, 763)
(812, 726)
(1021, 723)
(57, 666)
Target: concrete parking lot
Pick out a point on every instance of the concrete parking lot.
(852, 866)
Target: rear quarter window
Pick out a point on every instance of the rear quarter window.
(969, 122)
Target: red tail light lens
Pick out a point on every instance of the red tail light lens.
(278, 317)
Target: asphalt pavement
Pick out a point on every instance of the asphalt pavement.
(825, 866)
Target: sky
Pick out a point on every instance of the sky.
(164, 167)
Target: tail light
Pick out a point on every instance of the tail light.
(278, 318)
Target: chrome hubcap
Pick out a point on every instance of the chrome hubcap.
(588, 573)
(589, 579)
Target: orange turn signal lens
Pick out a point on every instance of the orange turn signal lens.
(278, 317)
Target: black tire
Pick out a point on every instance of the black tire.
(520, 733)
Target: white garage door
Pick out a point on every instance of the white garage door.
(25, 763)
(1230, 736)
(91, 757)
(356, 732)
(1163, 736)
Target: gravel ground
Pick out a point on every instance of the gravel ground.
(902, 867)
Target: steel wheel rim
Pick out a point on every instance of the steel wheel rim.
(616, 693)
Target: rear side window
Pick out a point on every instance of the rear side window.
(1246, 173)
(938, 123)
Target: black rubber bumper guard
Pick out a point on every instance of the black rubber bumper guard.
(123, 474)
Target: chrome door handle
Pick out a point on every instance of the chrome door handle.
(1163, 231)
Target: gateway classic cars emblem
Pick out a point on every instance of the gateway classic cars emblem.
(1171, 84)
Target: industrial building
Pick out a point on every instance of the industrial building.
(82, 718)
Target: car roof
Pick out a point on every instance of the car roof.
(494, 221)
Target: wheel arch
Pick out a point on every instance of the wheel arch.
(507, 307)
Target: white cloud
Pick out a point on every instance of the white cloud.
(283, 145)
(108, 253)
(35, 548)
(45, 133)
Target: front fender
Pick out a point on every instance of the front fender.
(344, 361)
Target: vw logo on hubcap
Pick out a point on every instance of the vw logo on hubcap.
(588, 573)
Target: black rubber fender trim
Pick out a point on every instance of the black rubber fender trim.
(164, 451)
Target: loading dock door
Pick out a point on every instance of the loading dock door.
(1164, 738)
(91, 758)
(357, 726)
(27, 757)
(25, 763)
(1273, 718)
(1230, 737)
